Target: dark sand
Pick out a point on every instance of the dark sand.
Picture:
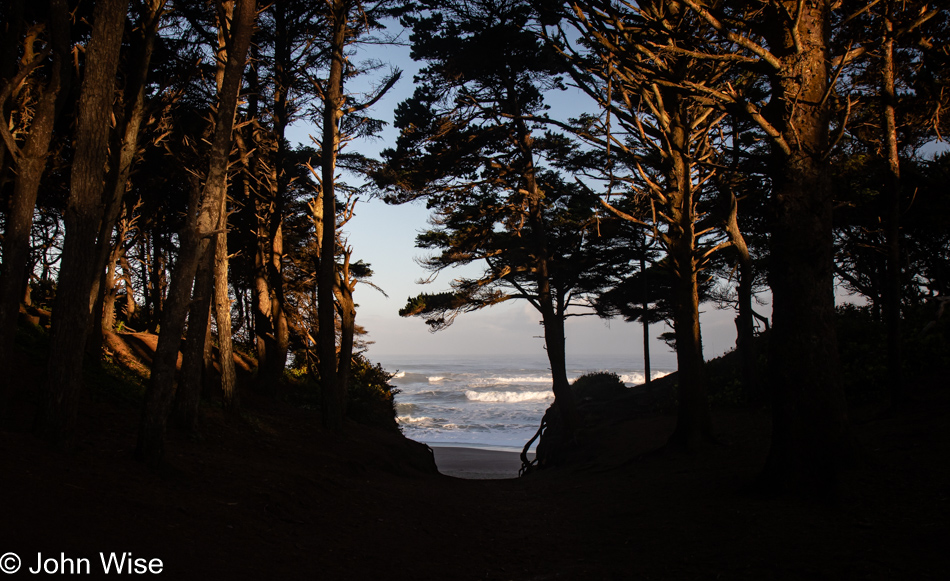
(476, 463)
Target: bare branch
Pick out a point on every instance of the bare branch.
(747, 43)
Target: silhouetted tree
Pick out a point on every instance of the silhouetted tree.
(340, 121)
(661, 142)
(469, 146)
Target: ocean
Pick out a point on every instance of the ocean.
(490, 402)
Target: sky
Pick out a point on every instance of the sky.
(384, 236)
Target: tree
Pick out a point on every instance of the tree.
(791, 41)
(124, 149)
(56, 416)
(894, 74)
(470, 146)
(287, 52)
(203, 220)
(660, 139)
(340, 120)
(39, 83)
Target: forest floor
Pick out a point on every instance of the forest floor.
(266, 494)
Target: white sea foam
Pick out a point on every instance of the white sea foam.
(486, 401)
(514, 379)
(640, 378)
(404, 377)
(419, 420)
(508, 396)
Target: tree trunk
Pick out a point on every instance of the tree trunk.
(263, 327)
(693, 422)
(222, 316)
(130, 304)
(283, 75)
(332, 112)
(154, 262)
(30, 164)
(810, 433)
(9, 62)
(124, 148)
(347, 311)
(72, 309)
(195, 243)
(549, 303)
(274, 343)
(104, 305)
(645, 319)
(554, 345)
(745, 331)
(745, 321)
(892, 230)
(196, 356)
(552, 316)
(273, 336)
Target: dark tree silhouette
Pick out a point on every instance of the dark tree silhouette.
(469, 146)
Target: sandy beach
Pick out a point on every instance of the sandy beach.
(476, 463)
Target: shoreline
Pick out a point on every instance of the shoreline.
(472, 463)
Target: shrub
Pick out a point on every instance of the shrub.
(370, 396)
(599, 385)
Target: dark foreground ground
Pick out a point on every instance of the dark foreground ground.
(268, 495)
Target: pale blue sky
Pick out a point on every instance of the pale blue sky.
(384, 236)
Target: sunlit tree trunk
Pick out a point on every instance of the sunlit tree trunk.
(130, 304)
(72, 309)
(109, 288)
(892, 229)
(218, 249)
(222, 314)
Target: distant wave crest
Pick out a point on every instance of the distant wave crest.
(639, 378)
(408, 377)
(421, 420)
(508, 396)
(495, 379)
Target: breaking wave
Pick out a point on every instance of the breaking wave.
(640, 378)
(508, 396)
